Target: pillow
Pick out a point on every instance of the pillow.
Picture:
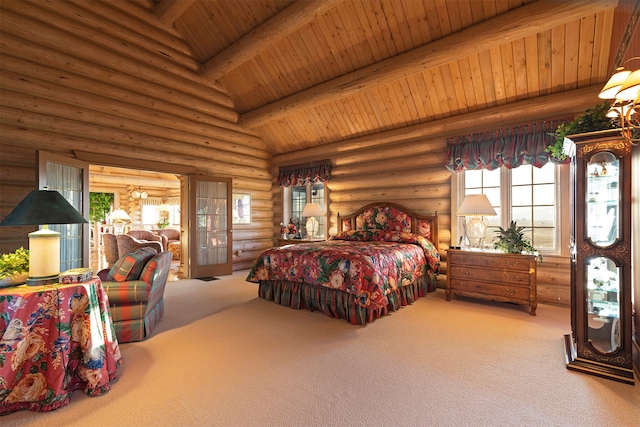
(129, 266)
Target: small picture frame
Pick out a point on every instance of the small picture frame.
(241, 208)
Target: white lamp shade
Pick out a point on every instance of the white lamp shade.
(629, 89)
(312, 209)
(476, 205)
(119, 215)
(614, 84)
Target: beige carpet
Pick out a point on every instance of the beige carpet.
(223, 357)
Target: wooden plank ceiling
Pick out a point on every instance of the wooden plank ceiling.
(307, 73)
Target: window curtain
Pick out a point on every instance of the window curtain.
(303, 173)
(512, 147)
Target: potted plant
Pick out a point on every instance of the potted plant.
(14, 267)
(513, 241)
(99, 205)
(593, 119)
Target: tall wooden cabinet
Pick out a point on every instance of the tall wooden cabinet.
(602, 333)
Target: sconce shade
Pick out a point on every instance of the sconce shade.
(614, 84)
(43, 207)
(312, 209)
(476, 205)
(629, 89)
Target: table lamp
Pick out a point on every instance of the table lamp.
(475, 207)
(43, 207)
(119, 216)
(311, 210)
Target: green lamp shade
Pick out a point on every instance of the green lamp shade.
(43, 207)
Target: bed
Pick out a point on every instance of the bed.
(383, 257)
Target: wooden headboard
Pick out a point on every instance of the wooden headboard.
(391, 216)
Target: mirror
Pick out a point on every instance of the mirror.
(241, 208)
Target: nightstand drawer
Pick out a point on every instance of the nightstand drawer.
(490, 260)
(492, 275)
(484, 289)
(504, 276)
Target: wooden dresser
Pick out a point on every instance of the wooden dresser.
(492, 275)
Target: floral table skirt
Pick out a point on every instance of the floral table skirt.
(55, 339)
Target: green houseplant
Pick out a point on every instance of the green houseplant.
(513, 241)
(593, 119)
(99, 205)
(14, 267)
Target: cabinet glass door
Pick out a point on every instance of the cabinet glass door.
(603, 201)
(602, 289)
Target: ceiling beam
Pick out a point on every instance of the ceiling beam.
(169, 11)
(288, 21)
(529, 19)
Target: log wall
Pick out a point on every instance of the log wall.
(81, 81)
(406, 166)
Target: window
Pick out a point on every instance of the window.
(295, 198)
(151, 213)
(526, 194)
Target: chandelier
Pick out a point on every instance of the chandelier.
(624, 88)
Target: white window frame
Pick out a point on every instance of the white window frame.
(286, 202)
(562, 208)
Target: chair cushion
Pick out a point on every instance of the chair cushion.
(130, 265)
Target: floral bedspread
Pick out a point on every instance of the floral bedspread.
(368, 264)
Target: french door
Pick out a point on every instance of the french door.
(70, 177)
(210, 227)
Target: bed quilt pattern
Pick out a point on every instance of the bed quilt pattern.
(369, 264)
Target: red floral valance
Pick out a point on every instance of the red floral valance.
(512, 147)
(303, 173)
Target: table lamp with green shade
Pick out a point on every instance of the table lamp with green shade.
(43, 207)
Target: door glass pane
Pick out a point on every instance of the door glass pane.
(602, 198)
(603, 310)
(211, 205)
(67, 180)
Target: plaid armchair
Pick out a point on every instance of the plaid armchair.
(135, 287)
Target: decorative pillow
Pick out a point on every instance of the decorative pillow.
(129, 266)
(424, 228)
(383, 218)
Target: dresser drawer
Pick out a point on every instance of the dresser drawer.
(503, 276)
(490, 260)
(508, 292)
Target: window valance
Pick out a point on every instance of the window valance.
(303, 173)
(512, 147)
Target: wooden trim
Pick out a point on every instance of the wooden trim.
(125, 162)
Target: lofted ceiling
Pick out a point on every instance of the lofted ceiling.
(311, 72)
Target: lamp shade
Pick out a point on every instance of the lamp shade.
(614, 84)
(43, 207)
(312, 209)
(630, 87)
(476, 205)
(119, 215)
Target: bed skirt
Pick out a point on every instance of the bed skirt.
(339, 304)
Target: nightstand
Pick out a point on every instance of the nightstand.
(492, 275)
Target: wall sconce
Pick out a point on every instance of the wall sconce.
(43, 207)
(624, 87)
(476, 207)
(311, 210)
(118, 217)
